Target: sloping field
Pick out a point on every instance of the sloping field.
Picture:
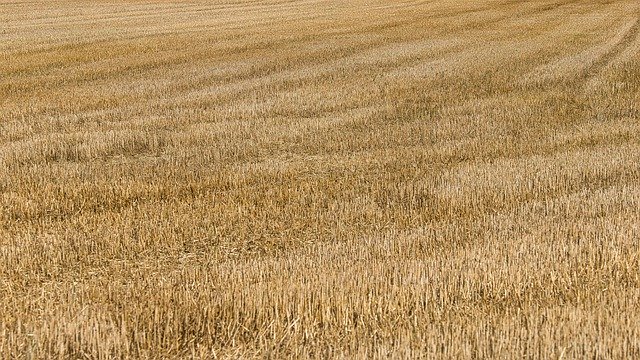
(320, 179)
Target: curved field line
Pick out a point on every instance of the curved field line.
(587, 62)
(628, 47)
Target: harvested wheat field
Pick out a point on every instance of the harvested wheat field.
(320, 179)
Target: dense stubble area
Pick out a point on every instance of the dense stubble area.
(320, 178)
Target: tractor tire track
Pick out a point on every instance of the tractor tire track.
(629, 40)
(586, 64)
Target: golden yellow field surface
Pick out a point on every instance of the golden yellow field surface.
(320, 179)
